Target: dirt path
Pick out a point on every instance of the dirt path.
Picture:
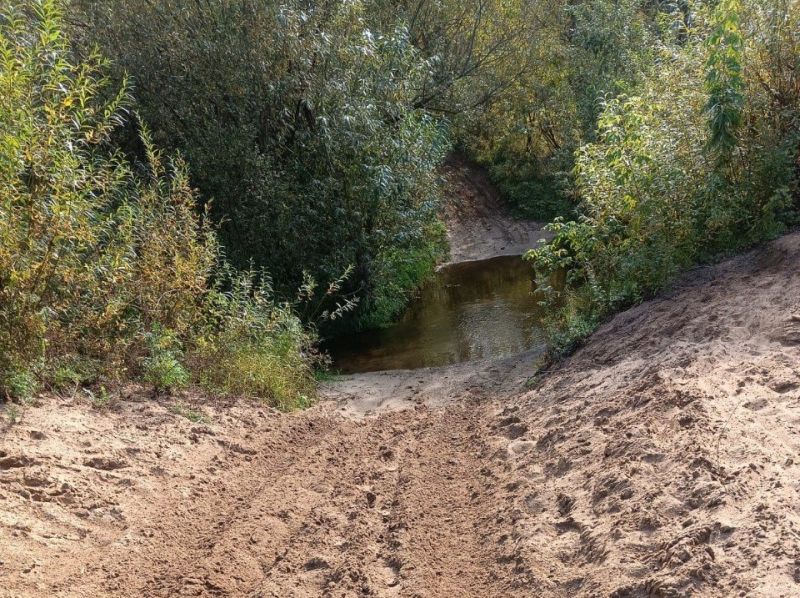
(254, 504)
(661, 460)
(479, 226)
(371, 393)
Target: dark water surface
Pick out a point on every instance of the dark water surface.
(469, 311)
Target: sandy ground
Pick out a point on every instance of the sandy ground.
(663, 459)
(372, 393)
(479, 226)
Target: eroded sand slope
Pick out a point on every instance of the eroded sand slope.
(662, 459)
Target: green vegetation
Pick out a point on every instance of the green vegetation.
(163, 365)
(101, 399)
(309, 137)
(107, 268)
(13, 414)
(300, 127)
(193, 415)
(699, 160)
(567, 59)
(254, 346)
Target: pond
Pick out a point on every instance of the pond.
(471, 310)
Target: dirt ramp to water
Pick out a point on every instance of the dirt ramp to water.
(661, 460)
(373, 393)
(479, 225)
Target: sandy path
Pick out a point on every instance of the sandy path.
(256, 504)
(377, 392)
(661, 460)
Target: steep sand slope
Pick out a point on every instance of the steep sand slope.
(661, 460)
(665, 455)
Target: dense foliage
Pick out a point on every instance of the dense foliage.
(106, 267)
(661, 134)
(300, 126)
(315, 130)
(699, 161)
(567, 59)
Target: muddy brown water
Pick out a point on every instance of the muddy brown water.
(471, 310)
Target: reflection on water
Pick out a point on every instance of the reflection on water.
(469, 311)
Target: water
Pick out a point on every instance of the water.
(469, 311)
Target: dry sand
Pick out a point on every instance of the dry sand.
(661, 460)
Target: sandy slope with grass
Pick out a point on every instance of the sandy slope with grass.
(662, 459)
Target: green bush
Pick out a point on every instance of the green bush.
(398, 274)
(299, 123)
(253, 346)
(107, 269)
(163, 367)
(673, 178)
(71, 372)
(90, 252)
(20, 385)
(578, 54)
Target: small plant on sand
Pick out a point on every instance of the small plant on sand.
(13, 413)
(66, 377)
(162, 367)
(20, 385)
(71, 372)
(101, 399)
(192, 415)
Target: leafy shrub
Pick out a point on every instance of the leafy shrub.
(162, 366)
(89, 252)
(579, 54)
(532, 191)
(19, 384)
(102, 261)
(398, 274)
(71, 371)
(253, 346)
(724, 80)
(672, 179)
(299, 122)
